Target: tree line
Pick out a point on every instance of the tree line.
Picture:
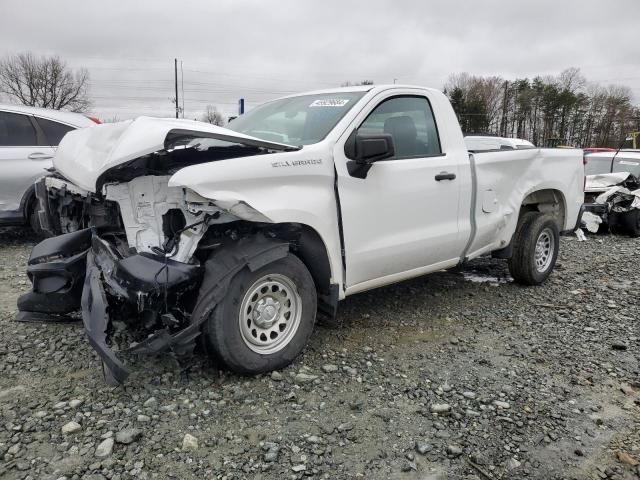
(546, 110)
(549, 110)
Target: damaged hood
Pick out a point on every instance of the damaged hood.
(603, 181)
(85, 154)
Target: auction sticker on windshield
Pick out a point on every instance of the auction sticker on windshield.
(330, 102)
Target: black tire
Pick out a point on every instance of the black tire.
(223, 335)
(632, 223)
(33, 218)
(522, 264)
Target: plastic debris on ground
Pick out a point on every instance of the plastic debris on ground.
(591, 222)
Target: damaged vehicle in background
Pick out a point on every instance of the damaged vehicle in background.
(238, 236)
(612, 192)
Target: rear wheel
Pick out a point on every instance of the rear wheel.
(535, 248)
(265, 317)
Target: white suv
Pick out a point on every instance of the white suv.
(28, 140)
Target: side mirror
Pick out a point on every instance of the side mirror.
(365, 149)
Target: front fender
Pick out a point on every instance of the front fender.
(283, 187)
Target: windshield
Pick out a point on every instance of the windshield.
(631, 165)
(296, 120)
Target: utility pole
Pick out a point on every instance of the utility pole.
(175, 69)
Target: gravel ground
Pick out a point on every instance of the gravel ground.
(441, 377)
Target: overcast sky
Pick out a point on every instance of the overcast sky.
(261, 50)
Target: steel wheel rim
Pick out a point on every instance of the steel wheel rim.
(270, 314)
(545, 246)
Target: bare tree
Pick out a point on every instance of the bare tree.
(571, 79)
(213, 116)
(44, 82)
(461, 80)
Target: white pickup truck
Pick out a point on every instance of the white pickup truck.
(239, 235)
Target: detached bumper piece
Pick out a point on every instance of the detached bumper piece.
(56, 269)
(142, 281)
(79, 270)
(96, 323)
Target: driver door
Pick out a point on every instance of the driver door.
(402, 219)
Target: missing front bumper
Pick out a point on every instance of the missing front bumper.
(108, 282)
(81, 271)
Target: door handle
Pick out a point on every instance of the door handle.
(445, 176)
(39, 156)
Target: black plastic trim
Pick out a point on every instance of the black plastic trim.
(56, 269)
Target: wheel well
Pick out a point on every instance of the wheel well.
(310, 248)
(548, 201)
(303, 240)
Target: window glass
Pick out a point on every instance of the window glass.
(53, 131)
(626, 164)
(410, 122)
(597, 165)
(16, 130)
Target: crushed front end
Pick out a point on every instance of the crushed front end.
(131, 264)
(128, 248)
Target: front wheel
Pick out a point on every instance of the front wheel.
(535, 248)
(265, 317)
